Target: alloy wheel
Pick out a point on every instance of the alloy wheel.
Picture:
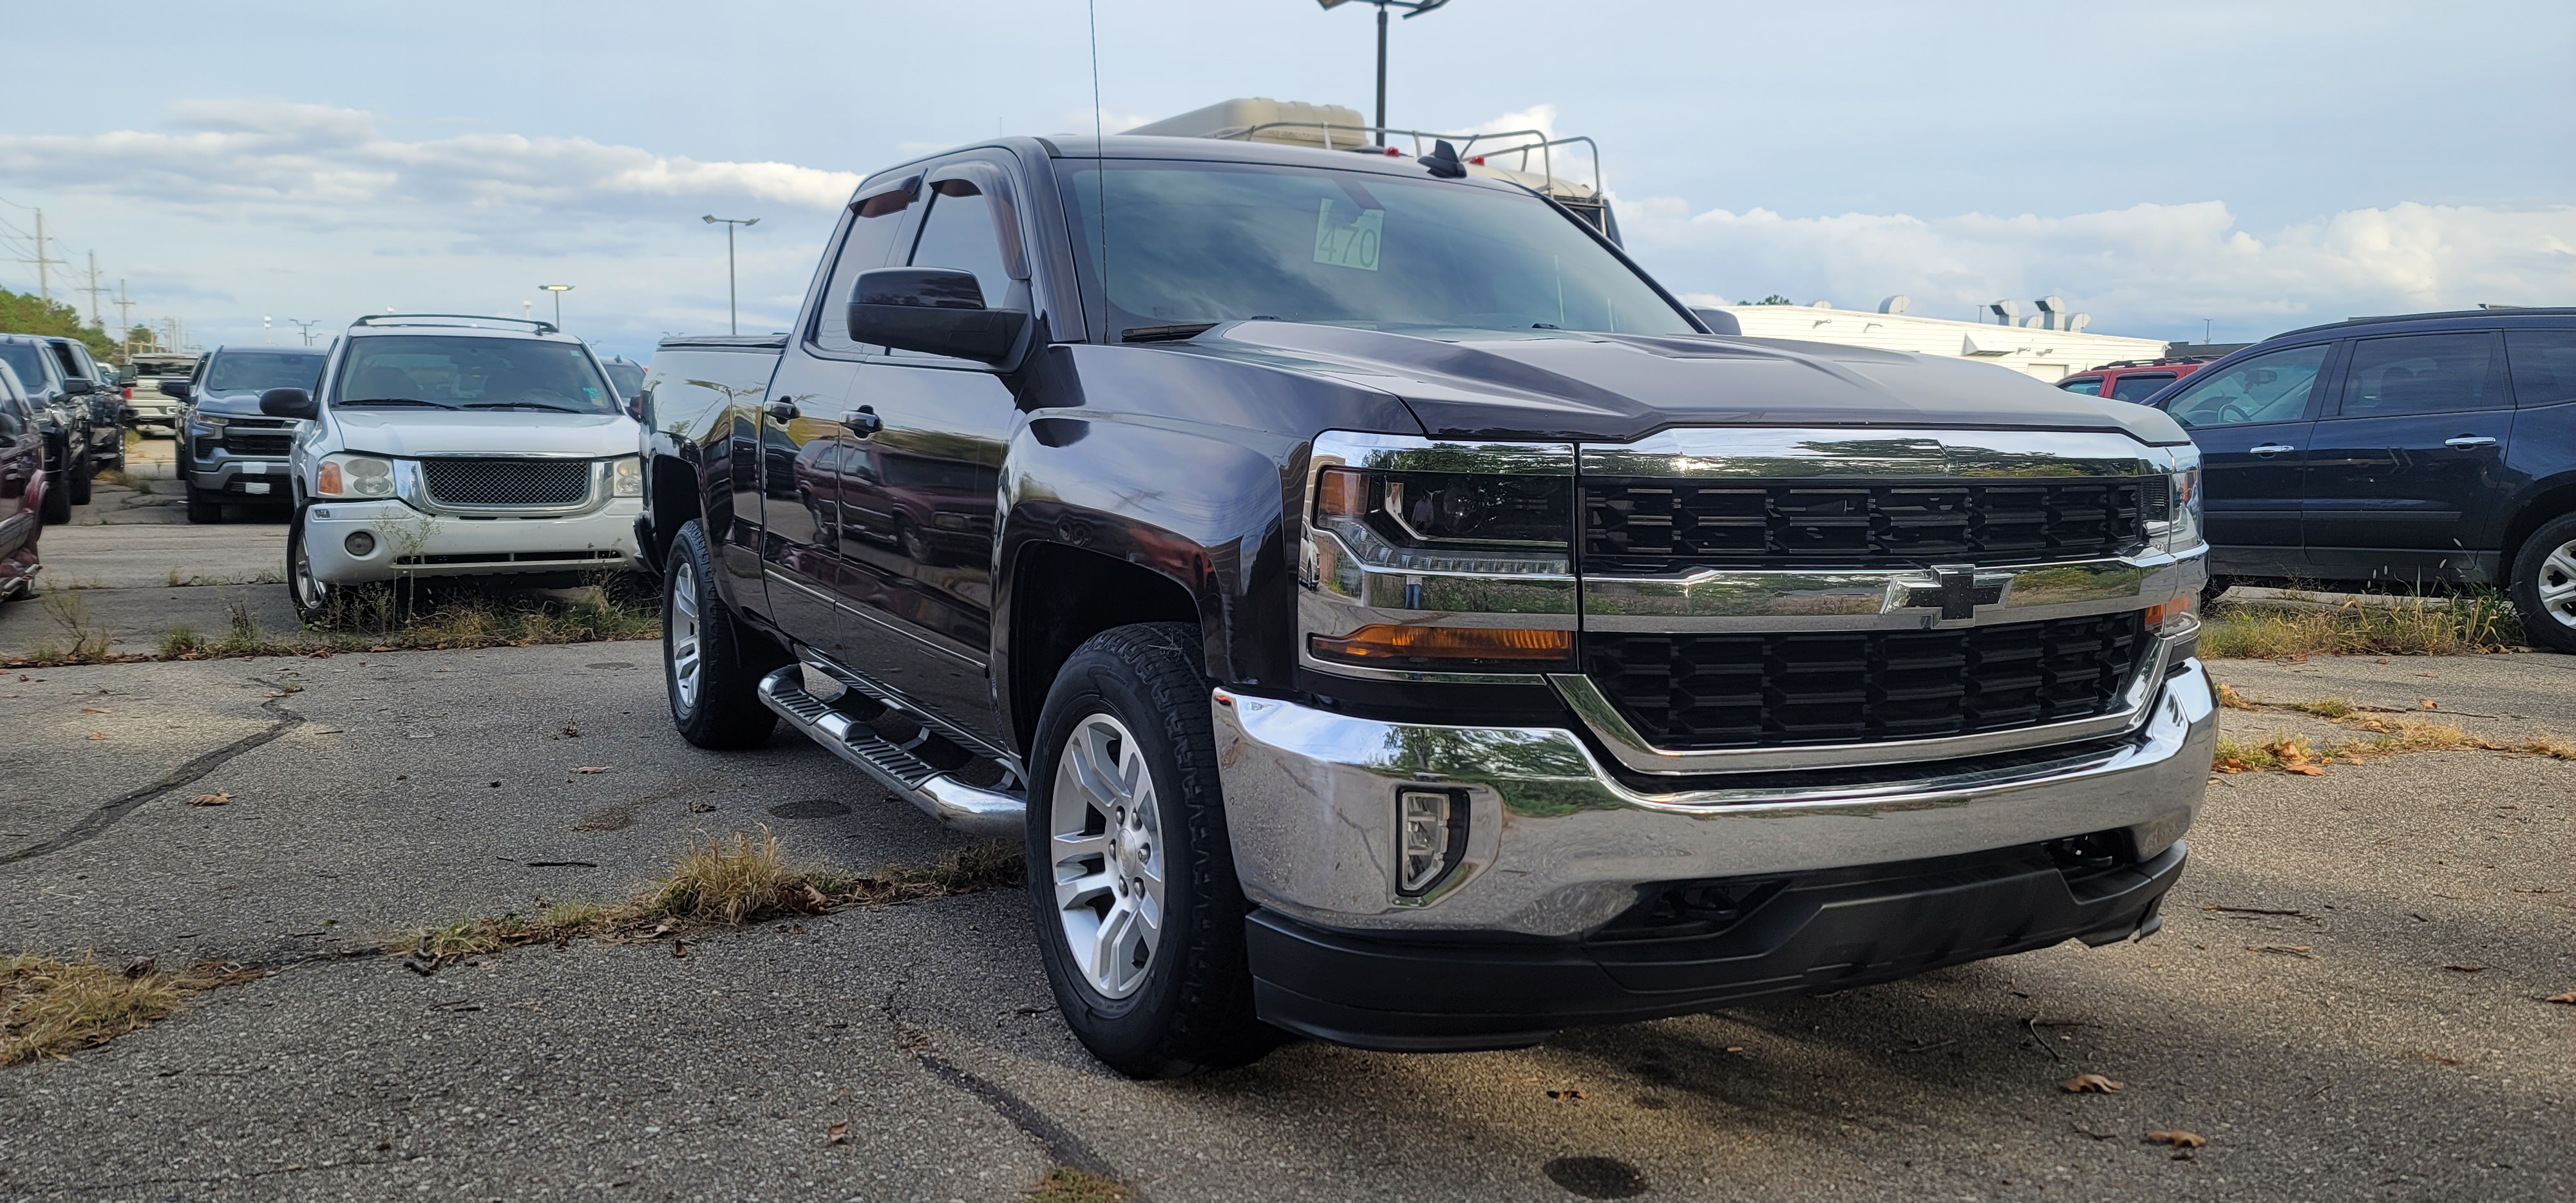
(2557, 585)
(684, 650)
(1105, 844)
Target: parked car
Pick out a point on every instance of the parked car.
(2130, 379)
(1271, 642)
(105, 401)
(65, 420)
(228, 450)
(2429, 449)
(154, 408)
(22, 487)
(442, 446)
(626, 374)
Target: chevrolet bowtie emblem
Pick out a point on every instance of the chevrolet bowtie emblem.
(1957, 592)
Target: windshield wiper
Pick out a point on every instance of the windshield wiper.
(395, 401)
(560, 409)
(1180, 332)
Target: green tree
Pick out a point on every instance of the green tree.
(21, 313)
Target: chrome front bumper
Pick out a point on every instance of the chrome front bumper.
(406, 542)
(1557, 845)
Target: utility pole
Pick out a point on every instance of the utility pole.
(305, 328)
(44, 279)
(124, 318)
(733, 318)
(1413, 8)
(93, 290)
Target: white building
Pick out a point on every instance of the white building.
(2047, 345)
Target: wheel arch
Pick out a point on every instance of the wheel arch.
(1083, 593)
(2552, 499)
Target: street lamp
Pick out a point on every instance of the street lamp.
(558, 290)
(733, 320)
(1413, 8)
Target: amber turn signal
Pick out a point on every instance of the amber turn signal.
(1382, 643)
(2159, 614)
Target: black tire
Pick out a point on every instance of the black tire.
(57, 507)
(1191, 1010)
(80, 474)
(724, 710)
(2541, 564)
(313, 599)
(204, 509)
(2212, 589)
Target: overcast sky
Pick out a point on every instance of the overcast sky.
(2262, 165)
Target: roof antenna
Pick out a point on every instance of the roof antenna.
(1099, 165)
(1443, 161)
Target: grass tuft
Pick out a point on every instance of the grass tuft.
(1065, 1184)
(89, 642)
(182, 642)
(378, 618)
(2466, 624)
(51, 1008)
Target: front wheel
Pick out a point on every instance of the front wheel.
(313, 598)
(711, 662)
(2212, 589)
(204, 509)
(2544, 585)
(57, 506)
(1131, 878)
(79, 477)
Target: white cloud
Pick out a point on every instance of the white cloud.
(2146, 268)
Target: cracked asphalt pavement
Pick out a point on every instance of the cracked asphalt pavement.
(2347, 998)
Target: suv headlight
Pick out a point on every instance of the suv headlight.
(350, 475)
(1425, 557)
(2175, 526)
(626, 476)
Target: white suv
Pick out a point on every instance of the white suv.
(448, 446)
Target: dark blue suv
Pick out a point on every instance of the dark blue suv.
(2432, 448)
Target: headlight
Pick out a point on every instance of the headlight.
(210, 421)
(626, 476)
(348, 475)
(1426, 557)
(2173, 520)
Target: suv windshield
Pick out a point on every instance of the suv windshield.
(260, 371)
(25, 360)
(1216, 242)
(466, 372)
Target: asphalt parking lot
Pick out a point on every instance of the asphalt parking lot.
(2347, 999)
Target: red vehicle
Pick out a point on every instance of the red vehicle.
(2130, 379)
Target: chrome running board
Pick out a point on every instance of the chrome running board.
(969, 808)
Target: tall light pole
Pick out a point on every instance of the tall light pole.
(1412, 9)
(558, 290)
(733, 318)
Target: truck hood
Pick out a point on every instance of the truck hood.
(420, 432)
(227, 404)
(1619, 388)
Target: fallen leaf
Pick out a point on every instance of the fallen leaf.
(2090, 1084)
(1567, 1095)
(2294, 758)
(381, 647)
(2566, 1000)
(217, 798)
(139, 967)
(2467, 968)
(96, 710)
(2177, 1138)
(2288, 950)
(699, 808)
(591, 769)
(1735, 1048)
(837, 1134)
(2429, 704)
(97, 735)
(2435, 1058)
(571, 732)
(661, 930)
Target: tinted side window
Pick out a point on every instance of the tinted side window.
(960, 233)
(2265, 388)
(2090, 388)
(2138, 386)
(2544, 365)
(870, 245)
(2422, 374)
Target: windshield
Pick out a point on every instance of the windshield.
(1214, 242)
(25, 360)
(260, 371)
(628, 378)
(465, 372)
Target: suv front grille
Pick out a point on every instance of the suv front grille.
(258, 443)
(1785, 688)
(528, 482)
(1650, 524)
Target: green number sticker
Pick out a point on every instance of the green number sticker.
(1348, 245)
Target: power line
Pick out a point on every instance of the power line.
(44, 279)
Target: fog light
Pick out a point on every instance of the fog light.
(1431, 834)
(360, 543)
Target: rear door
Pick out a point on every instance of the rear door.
(2405, 473)
(2251, 421)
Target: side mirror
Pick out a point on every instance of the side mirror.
(289, 403)
(635, 406)
(933, 310)
(175, 389)
(79, 386)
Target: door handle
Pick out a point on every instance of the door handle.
(2271, 449)
(781, 410)
(864, 419)
(2467, 441)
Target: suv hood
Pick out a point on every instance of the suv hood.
(1620, 388)
(419, 432)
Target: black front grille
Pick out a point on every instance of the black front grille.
(534, 482)
(273, 445)
(1658, 523)
(1784, 688)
